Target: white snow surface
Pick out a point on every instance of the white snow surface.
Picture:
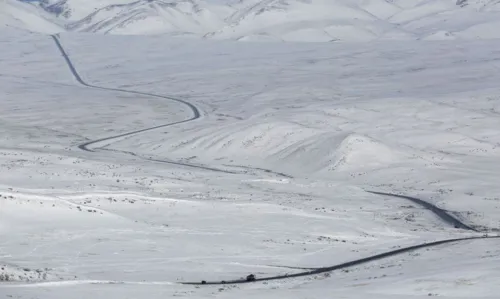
(277, 20)
(20, 15)
(327, 121)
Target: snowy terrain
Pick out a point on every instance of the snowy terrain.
(267, 20)
(270, 178)
(16, 14)
(133, 164)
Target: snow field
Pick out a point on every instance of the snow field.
(309, 129)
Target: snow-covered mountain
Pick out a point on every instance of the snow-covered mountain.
(280, 20)
(327, 20)
(21, 15)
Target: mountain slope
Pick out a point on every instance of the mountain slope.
(325, 20)
(281, 20)
(23, 16)
(150, 17)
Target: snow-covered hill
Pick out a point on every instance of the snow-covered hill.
(21, 15)
(272, 176)
(332, 20)
(278, 20)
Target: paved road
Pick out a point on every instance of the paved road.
(87, 146)
(442, 214)
(343, 265)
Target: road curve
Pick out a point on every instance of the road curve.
(444, 215)
(196, 114)
(343, 265)
(86, 146)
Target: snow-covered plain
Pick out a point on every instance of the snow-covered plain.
(293, 135)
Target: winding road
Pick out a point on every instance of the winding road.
(87, 146)
(442, 214)
(343, 265)
(196, 114)
(445, 216)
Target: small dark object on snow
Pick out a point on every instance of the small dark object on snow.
(251, 277)
(223, 282)
(203, 282)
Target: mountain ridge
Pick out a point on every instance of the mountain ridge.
(278, 20)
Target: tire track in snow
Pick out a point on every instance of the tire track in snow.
(87, 145)
(262, 169)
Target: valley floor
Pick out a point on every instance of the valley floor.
(272, 176)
